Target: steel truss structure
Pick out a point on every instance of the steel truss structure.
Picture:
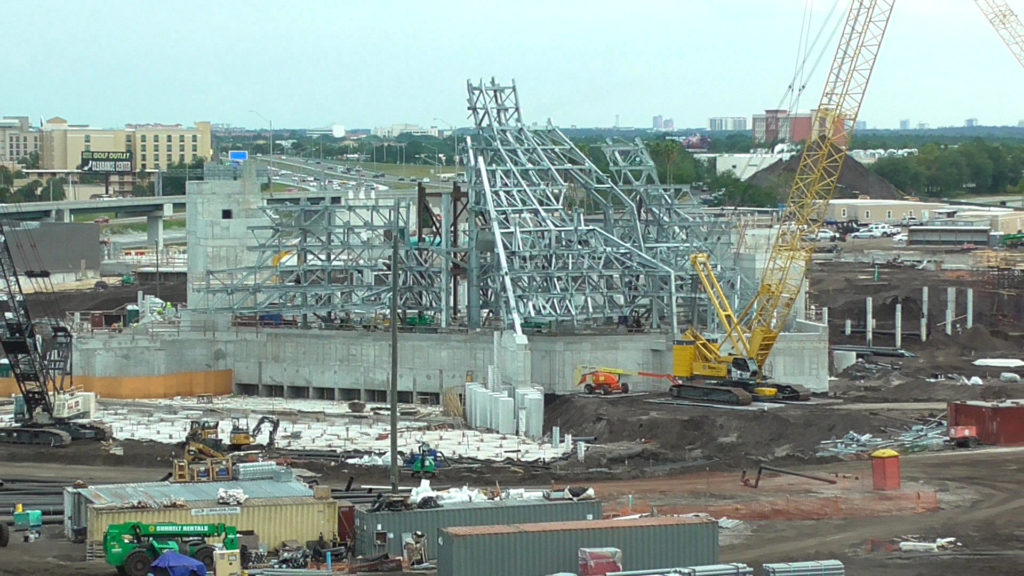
(549, 264)
(671, 229)
(513, 250)
(331, 265)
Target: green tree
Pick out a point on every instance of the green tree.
(6, 177)
(30, 162)
(29, 192)
(736, 192)
(675, 164)
(53, 190)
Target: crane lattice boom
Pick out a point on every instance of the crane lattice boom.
(816, 175)
(1006, 24)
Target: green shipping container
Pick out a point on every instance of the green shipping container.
(548, 548)
(384, 532)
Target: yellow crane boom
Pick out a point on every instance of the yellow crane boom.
(816, 176)
(1006, 24)
(753, 334)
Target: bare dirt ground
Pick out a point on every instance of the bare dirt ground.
(669, 459)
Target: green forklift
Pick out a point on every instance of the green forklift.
(132, 547)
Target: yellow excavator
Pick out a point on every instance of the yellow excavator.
(242, 437)
(732, 370)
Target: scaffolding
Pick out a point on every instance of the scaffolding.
(329, 265)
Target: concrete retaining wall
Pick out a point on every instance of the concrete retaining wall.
(356, 365)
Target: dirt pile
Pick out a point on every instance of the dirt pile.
(721, 437)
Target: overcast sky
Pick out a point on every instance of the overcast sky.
(579, 62)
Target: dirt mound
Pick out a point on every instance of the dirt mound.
(730, 438)
(104, 300)
(853, 176)
(985, 344)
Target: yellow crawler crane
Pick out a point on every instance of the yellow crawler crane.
(716, 370)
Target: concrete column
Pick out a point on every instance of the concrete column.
(824, 318)
(899, 324)
(848, 327)
(924, 314)
(970, 308)
(950, 309)
(870, 324)
(155, 231)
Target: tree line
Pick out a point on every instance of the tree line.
(944, 170)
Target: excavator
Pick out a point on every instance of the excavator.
(731, 370)
(241, 437)
(207, 433)
(50, 410)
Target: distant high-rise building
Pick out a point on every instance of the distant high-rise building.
(861, 125)
(904, 124)
(668, 125)
(658, 123)
(727, 124)
(971, 122)
(154, 146)
(922, 125)
(768, 127)
(18, 138)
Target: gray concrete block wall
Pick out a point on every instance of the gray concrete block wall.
(427, 362)
(801, 357)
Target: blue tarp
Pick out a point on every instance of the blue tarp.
(177, 564)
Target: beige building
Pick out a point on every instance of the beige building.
(17, 139)
(866, 210)
(154, 146)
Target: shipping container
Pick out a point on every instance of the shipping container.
(998, 423)
(385, 532)
(272, 519)
(546, 548)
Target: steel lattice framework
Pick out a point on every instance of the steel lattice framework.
(331, 261)
(549, 264)
(670, 231)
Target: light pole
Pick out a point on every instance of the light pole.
(455, 142)
(271, 122)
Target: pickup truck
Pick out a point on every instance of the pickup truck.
(884, 229)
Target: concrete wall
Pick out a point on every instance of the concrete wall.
(166, 386)
(56, 247)
(346, 365)
(217, 239)
(801, 357)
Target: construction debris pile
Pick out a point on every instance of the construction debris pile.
(932, 434)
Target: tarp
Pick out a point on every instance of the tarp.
(1000, 362)
(177, 564)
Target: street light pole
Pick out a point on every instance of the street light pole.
(271, 122)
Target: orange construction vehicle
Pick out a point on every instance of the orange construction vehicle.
(608, 380)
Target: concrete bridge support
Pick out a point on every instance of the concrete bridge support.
(155, 226)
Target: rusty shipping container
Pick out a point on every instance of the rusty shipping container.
(384, 532)
(547, 548)
(272, 519)
(998, 423)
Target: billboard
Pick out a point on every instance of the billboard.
(238, 156)
(106, 162)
